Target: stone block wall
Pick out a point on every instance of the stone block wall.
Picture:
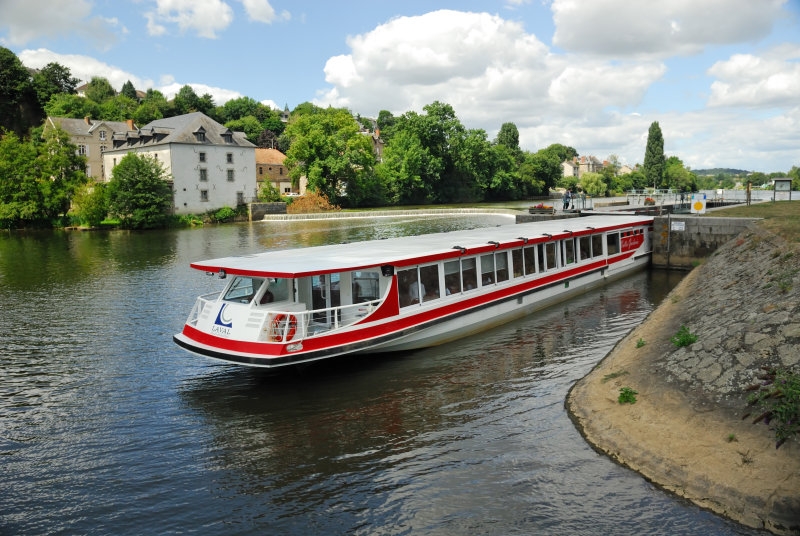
(684, 241)
(259, 210)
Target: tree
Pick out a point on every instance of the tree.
(129, 91)
(138, 192)
(186, 101)
(90, 203)
(654, 156)
(16, 92)
(53, 79)
(119, 108)
(794, 173)
(61, 171)
(249, 125)
(677, 177)
(593, 184)
(508, 136)
(74, 106)
(327, 147)
(541, 170)
(407, 169)
(563, 152)
(99, 89)
(19, 192)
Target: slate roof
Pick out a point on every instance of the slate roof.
(183, 129)
(80, 127)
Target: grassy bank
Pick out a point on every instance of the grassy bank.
(780, 217)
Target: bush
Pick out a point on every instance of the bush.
(222, 215)
(683, 337)
(779, 399)
(627, 396)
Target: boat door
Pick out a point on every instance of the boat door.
(326, 296)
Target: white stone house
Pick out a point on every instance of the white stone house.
(211, 166)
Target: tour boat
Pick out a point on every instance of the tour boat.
(294, 306)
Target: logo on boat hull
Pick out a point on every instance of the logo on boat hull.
(223, 323)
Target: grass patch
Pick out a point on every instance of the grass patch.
(640, 343)
(614, 375)
(780, 217)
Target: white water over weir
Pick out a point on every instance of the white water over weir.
(390, 213)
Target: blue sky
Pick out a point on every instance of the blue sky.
(722, 77)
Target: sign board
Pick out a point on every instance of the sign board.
(783, 185)
(678, 226)
(698, 203)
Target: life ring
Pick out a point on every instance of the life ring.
(279, 326)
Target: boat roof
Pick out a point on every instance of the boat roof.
(410, 250)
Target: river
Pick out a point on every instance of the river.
(106, 427)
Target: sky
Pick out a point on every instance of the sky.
(721, 77)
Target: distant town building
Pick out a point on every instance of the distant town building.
(270, 167)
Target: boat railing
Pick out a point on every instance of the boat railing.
(293, 326)
(199, 305)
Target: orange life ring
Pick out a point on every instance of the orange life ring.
(279, 326)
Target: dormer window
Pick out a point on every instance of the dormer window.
(227, 136)
(102, 135)
(200, 135)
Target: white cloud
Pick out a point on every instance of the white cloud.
(83, 67)
(262, 11)
(206, 18)
(220, 95)
(60, 18)
(747, 80)
(622, 28)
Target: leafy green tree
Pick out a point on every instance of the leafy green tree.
(794, 173)
(19, 191)
(99, 89)
(593, 184)
(139, 193)
(16, 92)
(129, 91)
(506, 181)
(268, 193)
(248, 124)
(563, 152)
(546, 165)
(508, 135)
(61, 171)
(239, 108)
(74, 106)
(406, 170)
(90, 203)
(386, 122)
(186, 101)
(677, 177)
(119, 108)
(153, 106)
(53, 79)
(654, 160)
(327, 147)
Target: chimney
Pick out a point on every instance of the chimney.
(88, 120)
(130, 124)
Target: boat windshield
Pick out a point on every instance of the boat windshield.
(242, 289)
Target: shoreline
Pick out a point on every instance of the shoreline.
(685, 432)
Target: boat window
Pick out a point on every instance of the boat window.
(569, 251)
(242, 289)
(487, 269)
(529, 254)
(452, 277)
(429, 276)
(278, 287)
(612, 240)
(550, 255)
(597, 245)
(585, 247)
(501, 266)
(540, 257)
(516, 261)
(408, 286)
(469, 274)
(365, 286)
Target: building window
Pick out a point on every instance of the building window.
(229, 158)
(260, 170)
(230, 174)
(287, 190)
(203, 174)
(240, 198)
(102, 135)
(102, 148)
(228, 138)
(280, 171)
(203, 195)
(202, 157)
(82, 150)
(200, 136)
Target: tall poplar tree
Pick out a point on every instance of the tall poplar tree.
(654, 160)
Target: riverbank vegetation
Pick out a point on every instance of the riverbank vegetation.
(780, 217)
(425, 157)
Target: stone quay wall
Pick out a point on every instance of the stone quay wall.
(682, 242)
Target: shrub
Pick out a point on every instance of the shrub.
(779, 399)
(311, 202)
(683, 337)
(627, 396)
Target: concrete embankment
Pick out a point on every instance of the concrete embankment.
(686, 431)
